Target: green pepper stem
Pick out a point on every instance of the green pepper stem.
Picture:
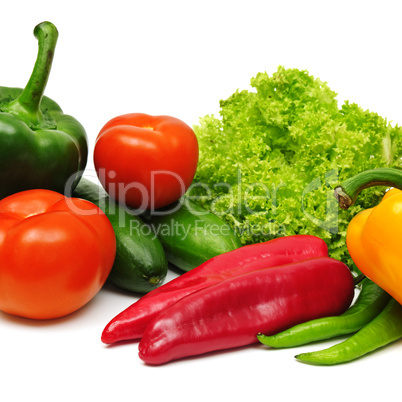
(347, 192)
(358, 279)
(27, 105)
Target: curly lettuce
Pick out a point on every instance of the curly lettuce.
(269, 163)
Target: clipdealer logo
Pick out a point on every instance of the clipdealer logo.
(237, 198)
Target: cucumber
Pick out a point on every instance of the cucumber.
(140, 264)
(191, 235)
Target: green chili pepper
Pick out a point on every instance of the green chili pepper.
(384, 329)
(367, 306)
(40, 147)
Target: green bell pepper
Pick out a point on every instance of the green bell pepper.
(40, 146)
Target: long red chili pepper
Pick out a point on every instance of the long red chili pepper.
(131, 323)
(231, 313)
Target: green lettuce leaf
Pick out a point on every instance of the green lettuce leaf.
(269, 163)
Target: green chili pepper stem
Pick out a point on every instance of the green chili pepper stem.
(347, 192)
(358, 279)
(381, 331)
(27, 105)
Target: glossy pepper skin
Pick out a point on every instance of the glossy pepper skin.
(374, 235)
(131, 323)
(381, 331)
(40, 147)
(369, 303)
(232, 312)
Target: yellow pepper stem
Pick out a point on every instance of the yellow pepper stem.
(347, 192)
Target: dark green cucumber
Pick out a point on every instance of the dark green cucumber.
(191, 235)
(140, 264)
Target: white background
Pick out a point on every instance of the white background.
(180, 58)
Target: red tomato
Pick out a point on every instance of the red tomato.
(146, 161)
(55, 253)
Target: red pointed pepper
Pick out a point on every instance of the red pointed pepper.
(131, 323)
(231, 313)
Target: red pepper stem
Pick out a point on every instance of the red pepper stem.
(347, 192)
(27, 105)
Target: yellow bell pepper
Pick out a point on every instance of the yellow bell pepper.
(374, 236)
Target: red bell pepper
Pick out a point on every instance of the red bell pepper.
(231, 313)
(131, 323)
